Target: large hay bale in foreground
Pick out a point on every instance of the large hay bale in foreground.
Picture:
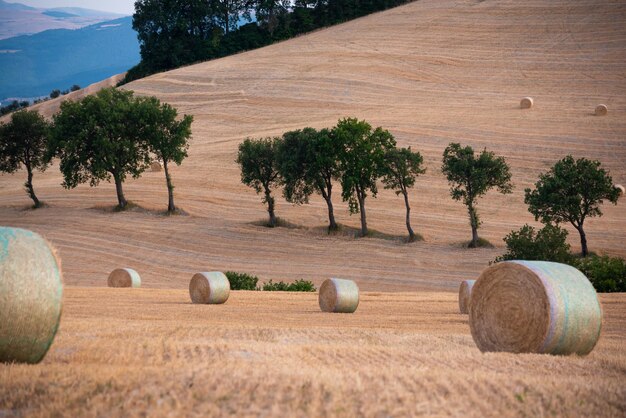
(465, 291)
(31, 291)
(124, 278)
(155, 167)
(621, 189)
(526, 103)
(209, 288)
(601, 110)
(534, 307)
(339, 295)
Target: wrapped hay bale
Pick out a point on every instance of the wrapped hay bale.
(601, 110)
(124, 278)
(534, 307)
(155, 167)
(339, 295)
(526, 103)
(465, 291)
(209, 288)
(31, 291)
(620, 189)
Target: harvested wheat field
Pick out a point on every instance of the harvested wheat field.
(149, 352)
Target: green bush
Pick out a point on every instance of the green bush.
(297, 286)
(241, 281)
(607, 274)
(547, 244)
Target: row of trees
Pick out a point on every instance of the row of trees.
(110, 135)
(19, 105)
(173, 33)
(308, 161)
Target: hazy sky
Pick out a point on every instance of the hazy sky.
(117, 6)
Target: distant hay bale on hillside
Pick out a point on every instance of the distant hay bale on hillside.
(209, 288)
(338, 295)
(465, 291)
(526, 103)
(534, 307)
(31, 291)
(155, 167)
(621, 189)
(601, 110)
(124, 278)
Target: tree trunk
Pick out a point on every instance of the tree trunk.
(332, 225)
(408, 216)
(29, 188)
(121, 200)
(270, 207)
(170, 189)
(583, 240)
(474, 224)
(362, 210)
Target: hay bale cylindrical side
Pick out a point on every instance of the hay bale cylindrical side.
(209, 288)
(124, 278)
(601, 110)
(526, 103)
(31, 291)
(339, 295)
(465, 291)
(155, 166)
(534, 307)
(621, 189)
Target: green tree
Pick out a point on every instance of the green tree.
(471, 176)
(23, 142)
(100, 137)
(547, 244)
(307, 161)
(167, 137)
(570, 192)
(361, 162)
(259, 169)
(401, 168)
(55, 93)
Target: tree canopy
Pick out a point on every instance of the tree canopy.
(471, 176)
(571, 191)
(23, 142)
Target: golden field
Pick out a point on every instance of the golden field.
(432, 72)
(150, 352)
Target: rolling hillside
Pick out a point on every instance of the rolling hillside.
(431, 72)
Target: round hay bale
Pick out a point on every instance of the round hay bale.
(601, 110)
(124, 278)
(31, 291)
(155, 167)
(209, 288)
(339, 295)
(526, 103)
(620, 189)
(465, 291)
(534, 307)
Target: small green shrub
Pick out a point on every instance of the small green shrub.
(547, 244)
(241, 281)
(606, 274)
(300, 285)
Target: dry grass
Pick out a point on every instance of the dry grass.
(123, 352)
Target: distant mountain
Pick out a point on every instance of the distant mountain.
(34, 65)
(18, 19)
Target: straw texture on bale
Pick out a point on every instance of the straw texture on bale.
(534, 307)
(601, 110)
(465, 291)
(209, 288)
(124, 278)
(526, 103)
(31, 292)
(621, 189)
(155, 166)
(339, 295)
